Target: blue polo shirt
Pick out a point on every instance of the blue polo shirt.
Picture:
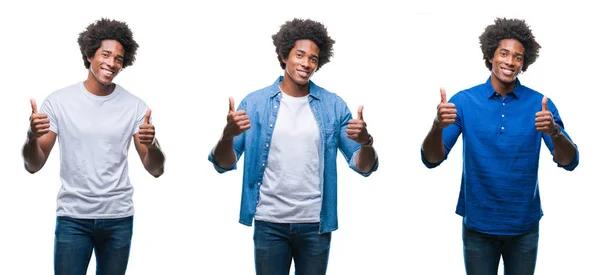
(499, 191)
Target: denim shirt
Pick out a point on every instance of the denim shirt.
(332, 116)
(499, 191)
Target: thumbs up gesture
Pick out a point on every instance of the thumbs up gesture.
(544, 121)
(146, 132)
(237, 122)
(446, 112)
(357, 129)
(39, 124)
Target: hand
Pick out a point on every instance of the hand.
(146, 133)
(446, 112)
(39, 124)
(357, 129)
(544, 121)
(237, 122)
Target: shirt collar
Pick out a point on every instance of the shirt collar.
(313, 89)
(517, 91)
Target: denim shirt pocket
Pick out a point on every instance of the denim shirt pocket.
(329, 136)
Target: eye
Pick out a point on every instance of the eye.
(105, 55)
(314, 60)
(119, 60)
(503, 54)
(519, 58)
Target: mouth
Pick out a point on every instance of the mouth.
(303, 74)
(507, 71)
(107, 72)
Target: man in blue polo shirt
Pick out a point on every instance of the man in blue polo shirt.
(503, 124)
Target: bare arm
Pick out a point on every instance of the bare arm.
(365, 158)
(148, 148)
(37, 150)
(40, 140)
(433, 145)
(237, 123)
(564, 150)
(357, 131)
(223, 153)
(151, 155)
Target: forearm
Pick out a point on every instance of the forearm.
(433, 145)
(33, 156)
(365, 159)
(154, 161)
(564, 150)
(223, 153)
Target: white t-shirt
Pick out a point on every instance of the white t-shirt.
(291, 187)
(94, 134)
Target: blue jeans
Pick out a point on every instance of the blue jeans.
(482, 252)
(74, 240)
(276, 244)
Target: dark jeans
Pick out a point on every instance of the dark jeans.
(276, 244)
(74, 240)
(482, 252)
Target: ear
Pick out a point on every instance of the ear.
(284, 60)
(89, 59)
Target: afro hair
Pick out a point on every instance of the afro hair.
(509, 29)
(300, 29)
(106, 29)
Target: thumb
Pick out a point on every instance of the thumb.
(231, 105)
(443, 94)
(147, 116)
(33, 106)
(545, 103)
(360, 110)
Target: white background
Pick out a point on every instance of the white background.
(390, 58)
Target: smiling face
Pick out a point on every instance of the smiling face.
(106, 62)
(507, 62)
(302, 61)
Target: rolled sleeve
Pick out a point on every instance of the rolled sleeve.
(574, 163)
(219, 169)
(352, 164)
(429, 164)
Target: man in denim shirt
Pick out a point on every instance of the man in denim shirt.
(503, 125)
(290, 132)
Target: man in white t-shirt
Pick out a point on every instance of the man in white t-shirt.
(94, 121)
(290, 133)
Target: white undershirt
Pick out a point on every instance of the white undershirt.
(290, 191)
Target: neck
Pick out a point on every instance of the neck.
(501, 87)
(96, 88)
(292, 88)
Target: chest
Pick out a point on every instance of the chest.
(499, 117)
(106, 122)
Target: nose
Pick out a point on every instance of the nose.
(110, 62)
(304, 62)
(509, 60)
